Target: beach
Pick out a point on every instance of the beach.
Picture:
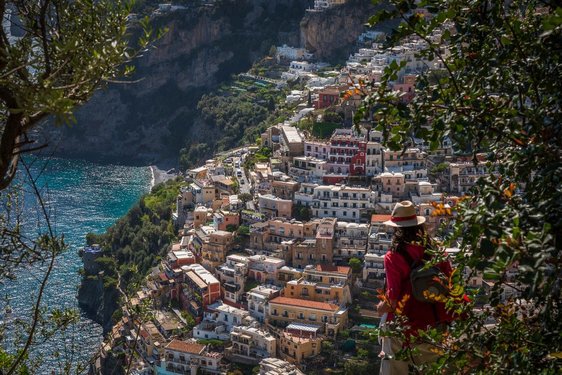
(159, 176)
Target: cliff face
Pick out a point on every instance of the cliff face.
(332, 34)
(150, 120)
(98, 303)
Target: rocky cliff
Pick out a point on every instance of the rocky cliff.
(150, 120)
(98, 302)
(332, 34)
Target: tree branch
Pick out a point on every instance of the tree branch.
(54, 244)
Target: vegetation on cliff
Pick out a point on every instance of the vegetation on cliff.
(137, 241)
(237, 112)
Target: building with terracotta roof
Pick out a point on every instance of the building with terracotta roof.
(328, 97)
(188, 357)
(328, 317)
(380, 235)
(150, 339)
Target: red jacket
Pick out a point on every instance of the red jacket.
(421, 315)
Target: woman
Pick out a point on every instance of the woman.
(409, 245)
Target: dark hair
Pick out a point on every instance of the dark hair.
(406, 235)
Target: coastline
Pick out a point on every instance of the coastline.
(159, 176)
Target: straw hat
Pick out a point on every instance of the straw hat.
(404, 215)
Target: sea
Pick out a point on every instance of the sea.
(81, 197)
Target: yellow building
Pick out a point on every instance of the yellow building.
(328, 317)
(323, 283)
(299, 342)
(215, 249)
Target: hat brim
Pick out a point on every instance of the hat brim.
(406, 223)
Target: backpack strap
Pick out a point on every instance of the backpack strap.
(407, 257)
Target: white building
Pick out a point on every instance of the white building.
(374, 154)
(411, 163)
(350, 240)
(463, 175)
(264, 268)
(343, 202)
(307, 168)
(373, 270)
(251, 345)
(301, 67)
(232, 275)
(326, 4)
(286, 52)
(258, 298)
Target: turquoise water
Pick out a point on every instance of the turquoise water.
(81, 197)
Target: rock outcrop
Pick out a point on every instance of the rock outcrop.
(97, 302)
(150, 120)
(332, 34)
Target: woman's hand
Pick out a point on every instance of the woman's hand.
(383, 308)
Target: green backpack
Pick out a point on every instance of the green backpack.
(424, 280)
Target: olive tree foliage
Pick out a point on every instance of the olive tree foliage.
(67, 49)
(53, 55)
(494, 88)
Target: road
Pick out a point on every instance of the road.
(244, 182)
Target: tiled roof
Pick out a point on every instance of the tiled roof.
(329, 268)
(304, 303)
(379, 218)
(185, 347)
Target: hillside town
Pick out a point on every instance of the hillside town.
(282, 243)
